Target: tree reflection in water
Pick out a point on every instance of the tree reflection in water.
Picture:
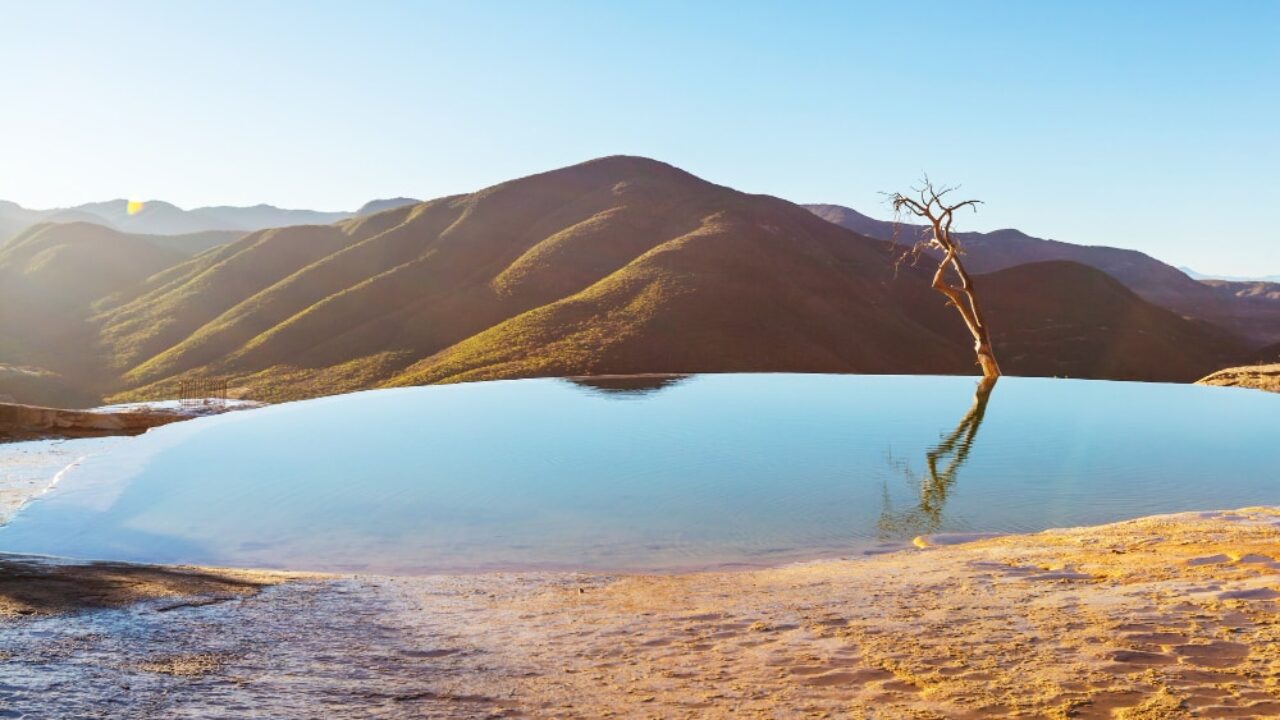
(942, 462)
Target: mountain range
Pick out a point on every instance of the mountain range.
(1249, 309)
(613, 266)
(1231, 278)
(156, 217)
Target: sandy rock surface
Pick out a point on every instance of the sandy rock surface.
(1259, 377)
(1164, 617)
(22, 422)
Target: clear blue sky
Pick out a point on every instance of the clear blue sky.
(1146, 125)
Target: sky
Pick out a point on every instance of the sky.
(1147, 125)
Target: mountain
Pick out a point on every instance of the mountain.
(14, 218)
(1256, 319)
(617, 265)
(614, 266)
(1061, 318)
(624, 264)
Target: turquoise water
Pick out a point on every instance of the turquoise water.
(653, 474)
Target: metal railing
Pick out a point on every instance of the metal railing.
(202, 392)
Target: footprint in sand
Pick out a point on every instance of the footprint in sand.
(1156, 638)
(1262, 593)
(1058, 576)
(1215, 654)
(1218, 559)
(1140, 659)
(1235, 557)
(1255, 559)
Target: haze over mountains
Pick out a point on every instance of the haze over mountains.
(617, 265)
(156, 217)
(1229, 278)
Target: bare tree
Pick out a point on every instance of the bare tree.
(929, 204)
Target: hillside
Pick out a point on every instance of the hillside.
(1266, 355)
(72, 264)
(1051, 319)
(196, 242)
(1065, 319)
(1257, 289)
(641, 265)
(14, 218)
(617, 265)
(1255, 317)
(50, 277)
(38, 386)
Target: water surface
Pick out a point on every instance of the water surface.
(653, 473)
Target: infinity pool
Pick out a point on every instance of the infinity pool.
(653, 473)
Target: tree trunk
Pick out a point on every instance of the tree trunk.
(966, 302)
(963, 298)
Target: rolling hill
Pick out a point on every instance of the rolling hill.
(617, 265)
(1259, 289)
(50, 277)
(14, 218)
(1061, 318)
(1255, 317)
(377, 206)
(643, 265)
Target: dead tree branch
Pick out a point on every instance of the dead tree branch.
(929, 205)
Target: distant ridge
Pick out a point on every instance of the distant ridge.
(157, 217)
(1255, 317)
(1228, 278)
